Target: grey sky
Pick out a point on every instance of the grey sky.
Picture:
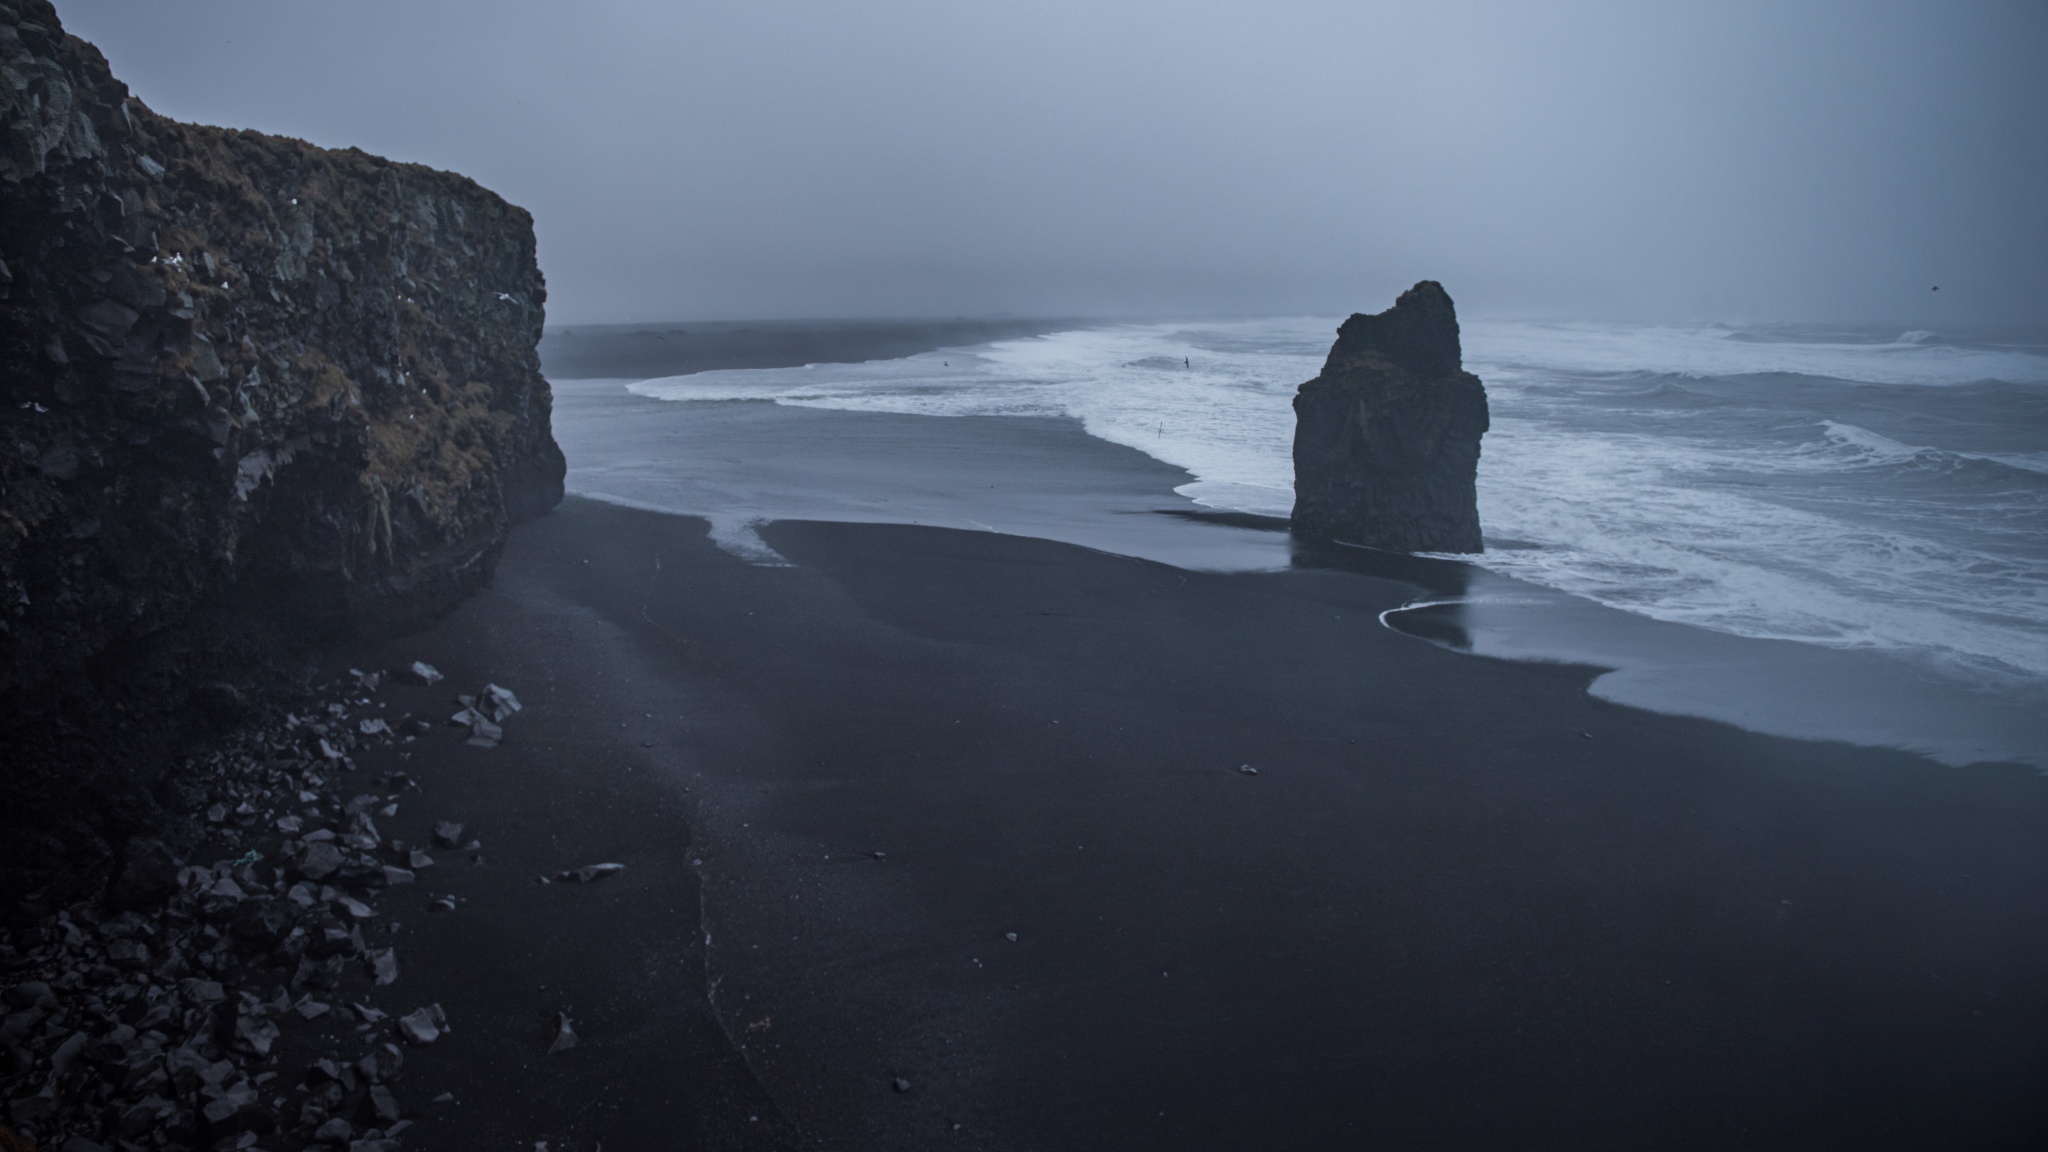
(766, 158)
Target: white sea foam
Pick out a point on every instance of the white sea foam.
(1722, 509)
(1719, 351)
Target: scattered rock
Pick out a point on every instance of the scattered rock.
(447, 833)
(590, 872)
(497, 702)
(422, 673)
(1248, 770)
(564, 1036)
(149, 875)
(900, 1084)
(423, 1026)
(482, 732)
(321, 860)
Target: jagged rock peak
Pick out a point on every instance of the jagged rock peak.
(1419, 334)
(1386, 439)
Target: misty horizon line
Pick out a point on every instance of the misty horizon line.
(1905, 324)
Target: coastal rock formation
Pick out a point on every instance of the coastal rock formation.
(256, 395)
(1386, 440)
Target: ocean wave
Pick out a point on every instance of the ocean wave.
(1678, 473)
(1712, 351)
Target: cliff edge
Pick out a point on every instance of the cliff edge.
(256, 396)
(1386, 439)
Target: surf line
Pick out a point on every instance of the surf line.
(1415, 606)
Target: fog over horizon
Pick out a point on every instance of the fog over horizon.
(1816, 161)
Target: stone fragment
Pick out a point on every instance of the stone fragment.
(423, 673)
(320, 860)
(590, 872)
(395, 876)
(144, 1115)
(482, 731)
(563, 1036)
(335, 1131)
(447, 833)
(384, 965)
(417, 860)
(900, 1084)
(262, 922)
(381, 1064)
(128, 955)
(256, 1034)
(497, 703)
(312, 1009)
(321, 973)
(384, 1104)
(201, 992)
(418, 1027)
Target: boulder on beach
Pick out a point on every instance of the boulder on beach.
(1386, 440)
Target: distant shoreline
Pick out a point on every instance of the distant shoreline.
(646, 351)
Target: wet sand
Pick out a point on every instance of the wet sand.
(1460, 905)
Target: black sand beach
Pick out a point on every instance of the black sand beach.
(1461, 904)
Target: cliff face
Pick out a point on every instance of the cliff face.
(255, 395)
(1386, 440)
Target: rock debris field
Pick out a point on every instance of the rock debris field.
(255, 1002)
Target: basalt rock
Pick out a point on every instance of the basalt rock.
(255, 396)
(1386, 440)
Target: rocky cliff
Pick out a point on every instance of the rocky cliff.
(1386, 440)
(256, 395)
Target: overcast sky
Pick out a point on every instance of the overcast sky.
(787, 158)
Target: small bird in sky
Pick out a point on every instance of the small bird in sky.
(1937, 287)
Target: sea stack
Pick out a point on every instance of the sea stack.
(1386, 440)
